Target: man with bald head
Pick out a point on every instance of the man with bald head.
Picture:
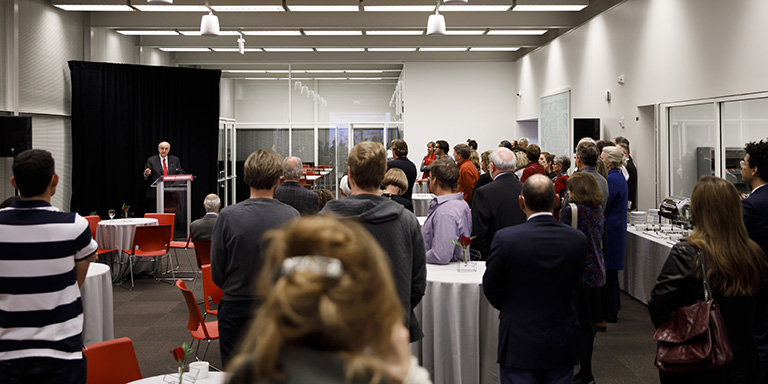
(531, 276)
(161, 165)
(494, 205)
(292, 193)
(201, 229)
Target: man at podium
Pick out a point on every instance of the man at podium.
(161, 165)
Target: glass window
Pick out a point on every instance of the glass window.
(251, 140)
(743, 121)
(303, 142)
(692, 138)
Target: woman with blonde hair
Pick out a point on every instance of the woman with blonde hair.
(330, 312)
(615, 228)
(737, 272)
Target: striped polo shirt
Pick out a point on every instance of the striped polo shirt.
(41, 314)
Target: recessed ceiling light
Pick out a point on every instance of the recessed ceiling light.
(442, 49)
(323, 8)
(365, 78)
(458, 32)
(236, 49)
(94, 7)
(221, 33)
(399, 8)
(331, 78)
(245, 71)
(184, 49)
(475, 8)
(261, 78)
(520, 32)
(272, 33)
(392, 49)
(145, 32)
(172, 8)
(340, 49)
(248, 8)
(325, 71)
(548, 8)
(332, 33)
(364, 71)
(402, 32)
(289, 49)
(494, 49)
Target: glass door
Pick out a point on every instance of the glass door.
(226, 162)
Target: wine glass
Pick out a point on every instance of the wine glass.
(111, 213)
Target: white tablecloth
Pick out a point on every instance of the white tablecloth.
(421, 203)
(460, 327)
(213, 378)
(645, 255)
(118, 233)
(96, 294)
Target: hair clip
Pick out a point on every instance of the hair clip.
(320, 265)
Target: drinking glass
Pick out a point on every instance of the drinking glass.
(111, 213)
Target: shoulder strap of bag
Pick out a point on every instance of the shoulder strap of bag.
(705, 278)
(574, 215)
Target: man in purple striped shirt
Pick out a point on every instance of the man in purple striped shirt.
(449, 217)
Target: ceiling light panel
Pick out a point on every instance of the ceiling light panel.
(94, 7)
(516, 32)
(289, 49)
(333, 33)
(550, 5)
(245, 71)
(475, 8)
(272, 33)
(442, 49)
(236, 50)
(350, 49)
(147, 32)
(364, 71)
(392, 49)
(323, 8)
(403, 32)
(184, 49)
(325, 71)
(399, 8)
(247, 8)
(172, 8)
(494, 49)
(221, 33)
(459, 32)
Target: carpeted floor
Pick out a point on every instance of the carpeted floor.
(154, 315)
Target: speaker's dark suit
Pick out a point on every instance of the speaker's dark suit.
(530, 276)
(495, 206)
(292, 193)
(201, 229)
(153, 163)
(756, 217)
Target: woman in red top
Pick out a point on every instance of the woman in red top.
(560, 168)
(533, 152)
(428, 159)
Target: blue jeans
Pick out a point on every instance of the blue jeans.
(43, 370)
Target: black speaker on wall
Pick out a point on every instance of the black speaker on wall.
(15, 135)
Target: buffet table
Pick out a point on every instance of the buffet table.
(118, 234)
(96, 295)
(645, 255)
(460, 327)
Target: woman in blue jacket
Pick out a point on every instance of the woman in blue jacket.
(616, 227)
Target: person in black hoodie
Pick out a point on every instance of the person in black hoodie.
(394, 227)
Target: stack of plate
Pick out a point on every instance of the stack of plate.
(653, 216)
(637, 217)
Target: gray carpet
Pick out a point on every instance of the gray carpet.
(154, 315)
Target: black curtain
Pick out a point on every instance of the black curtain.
(121, 112)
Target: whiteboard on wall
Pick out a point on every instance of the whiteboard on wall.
(555, 123)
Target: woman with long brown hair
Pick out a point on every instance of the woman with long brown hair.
(737, 271)
(330, 313)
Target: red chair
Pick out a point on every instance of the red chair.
(112, 362)
(148, 241)
(202, 254)
(211, 292)
(198, 327)
(93, 223)
(170, 219)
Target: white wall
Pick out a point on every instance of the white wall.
(109, 46)
(668, 50)
(457, 101)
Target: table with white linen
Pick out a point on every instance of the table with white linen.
(460, 327)
(213, 378)
(118, 234)
(645, 255)
(421, 203)
(96, 295)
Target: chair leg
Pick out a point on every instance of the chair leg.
(206, 348)
(130, 267)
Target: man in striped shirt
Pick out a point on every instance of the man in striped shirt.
(44, 257)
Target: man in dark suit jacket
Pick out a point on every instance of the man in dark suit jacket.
(160, 165)
(201, 229)
(400, 152)
(292, 193)
(530, 276)
(494, 206)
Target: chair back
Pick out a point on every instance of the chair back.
(112, 362)
(211, 291)
(195, 316)
(163, 219)
(93, 222)
(151, 238)
(202, 252)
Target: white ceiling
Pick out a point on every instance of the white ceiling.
(476, 31)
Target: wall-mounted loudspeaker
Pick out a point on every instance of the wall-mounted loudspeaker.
(15, 135)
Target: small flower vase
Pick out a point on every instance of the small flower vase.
(469, 263)
(125, 214)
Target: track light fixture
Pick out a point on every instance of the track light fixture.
(161, 2)
(209, 25)
(241, 44)
(436, 23)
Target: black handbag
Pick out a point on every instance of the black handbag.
(694, 339)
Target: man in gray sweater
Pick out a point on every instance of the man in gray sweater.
(394, 227)
(236, 257)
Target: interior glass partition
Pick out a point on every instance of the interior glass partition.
(743, 121)
(692, 136)
(226, 162)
